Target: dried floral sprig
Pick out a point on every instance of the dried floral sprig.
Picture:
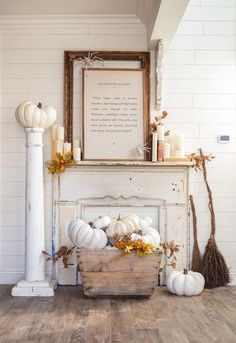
(158, 121)
(128, 245)
(60, 163)
(62, 253)
(174, 249)
(199, 159)
(167, 133)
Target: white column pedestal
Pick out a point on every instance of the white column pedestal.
(35, 283)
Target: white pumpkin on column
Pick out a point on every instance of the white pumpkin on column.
(35, 120)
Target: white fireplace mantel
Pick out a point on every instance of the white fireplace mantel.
(94, 188)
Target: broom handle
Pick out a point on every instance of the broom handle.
(194, 218)
(210, 203)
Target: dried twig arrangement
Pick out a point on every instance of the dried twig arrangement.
(62, 253)
(196, 256)
(158, 121)
(214, 267)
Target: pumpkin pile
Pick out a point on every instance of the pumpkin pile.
(128, 233)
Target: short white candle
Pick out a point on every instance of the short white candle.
(76, 143)
(160, 132)
(60, 133)
(166, 150)
(59, 147)
(179, 153)
(154, 147)
(67, 147)
(77, 154)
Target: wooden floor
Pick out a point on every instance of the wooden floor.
(70, 317)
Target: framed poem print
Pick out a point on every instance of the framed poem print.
(114, 116)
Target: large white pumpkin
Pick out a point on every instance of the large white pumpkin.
(122, 226)
(84, 236)
(145, 223)
(29, 115)
(185, 283)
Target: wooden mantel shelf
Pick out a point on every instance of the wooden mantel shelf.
(132, 163)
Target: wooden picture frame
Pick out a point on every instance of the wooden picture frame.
(113, 117)
(72, 56)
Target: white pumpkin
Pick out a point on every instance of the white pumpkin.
(187, 283)
(145, 239)
(101, 222)
(84, 236)
(29, 115)
(145, 223)
(121, 226)
(154, 234)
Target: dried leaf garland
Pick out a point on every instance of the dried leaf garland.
(174, 249)
(62, 253)
(60, 163)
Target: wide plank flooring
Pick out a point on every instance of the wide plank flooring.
(70, 317)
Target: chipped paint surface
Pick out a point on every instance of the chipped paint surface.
(90, 190)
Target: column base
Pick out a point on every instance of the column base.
(44, 288)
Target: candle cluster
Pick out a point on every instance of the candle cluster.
(59, 146)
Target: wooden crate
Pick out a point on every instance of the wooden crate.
(111, 272)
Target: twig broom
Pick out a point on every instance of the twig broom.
(196, 255)
(214, 267)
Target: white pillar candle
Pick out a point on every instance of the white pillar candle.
(59, 147)
(160, 132)
(76, 143)
(179, 153)
(77, 154)
(67, 147)
(60, 133)
(166, 150)
(154, 147)
(179, 141)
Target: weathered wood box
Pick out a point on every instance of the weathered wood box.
(109, 272)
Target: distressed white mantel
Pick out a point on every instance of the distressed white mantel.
(146, 188)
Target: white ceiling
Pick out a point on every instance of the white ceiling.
(49, 7)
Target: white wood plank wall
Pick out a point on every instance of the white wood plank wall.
(199, 93)
(200, 96)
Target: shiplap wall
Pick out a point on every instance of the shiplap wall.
(199, 93)
(32, 68)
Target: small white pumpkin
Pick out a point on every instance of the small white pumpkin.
(84, 236)
(154, 234)
(145, 239)
(121, 226)
(187, 283)
(29, 115)
(101, 222)
(145, 223)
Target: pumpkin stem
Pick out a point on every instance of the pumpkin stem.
(91, 224)
(185, 271)
(40, 105)
(140, 232)
(118, 217)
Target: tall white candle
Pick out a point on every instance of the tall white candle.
(67, 147)
(77, 154)
(54, 132)
(166, 150)
(60, 133)
(154, 147)
(76, 143)
(160, 132)
(59, 146)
